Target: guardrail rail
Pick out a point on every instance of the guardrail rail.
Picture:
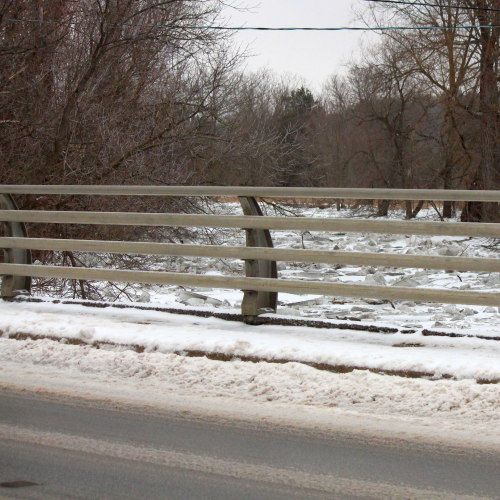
(261, 284)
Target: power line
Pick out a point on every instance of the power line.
(424, 4)
(342, 28)
(262, 28)
(346, 28)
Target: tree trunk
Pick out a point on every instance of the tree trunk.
(419, 207)
(446, 175)
(488, 97)
(409, 210)
(383, 208)
(447, 209)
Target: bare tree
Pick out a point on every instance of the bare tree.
(110, 91)
(448, 60)
(390, 110)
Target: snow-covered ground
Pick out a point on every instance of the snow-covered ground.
(458, 374)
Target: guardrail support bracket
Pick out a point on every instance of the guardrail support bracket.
(255, 303)
(13, 286)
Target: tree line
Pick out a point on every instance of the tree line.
(149, 92)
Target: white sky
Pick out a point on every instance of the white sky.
(311, 55)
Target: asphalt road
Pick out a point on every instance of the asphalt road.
(52, 448)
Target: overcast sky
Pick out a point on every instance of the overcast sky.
(312, 55)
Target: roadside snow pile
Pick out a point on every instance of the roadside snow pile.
(291, 383)
(416, 353)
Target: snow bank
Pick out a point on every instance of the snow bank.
(461, 358)
(292, 383)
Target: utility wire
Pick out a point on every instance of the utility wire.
(424, 4)
(257, 28)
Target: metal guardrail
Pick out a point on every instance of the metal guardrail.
(258, 222)
(260, 284)
(261, 192)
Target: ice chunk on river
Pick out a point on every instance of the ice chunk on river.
(375, 279)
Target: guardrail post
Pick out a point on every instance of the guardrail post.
(255, 303)
(14, 285)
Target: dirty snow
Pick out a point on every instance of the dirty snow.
(459, 358)
(264, 382)
(164, 367)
